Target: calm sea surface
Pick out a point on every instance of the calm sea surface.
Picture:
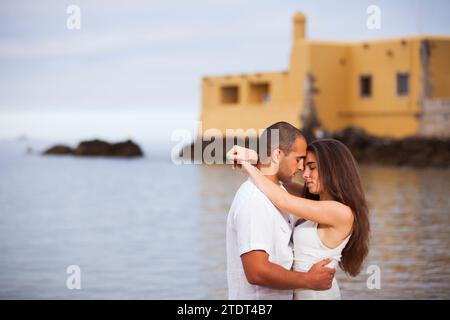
(148, 229)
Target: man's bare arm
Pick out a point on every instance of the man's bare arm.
(260, 271)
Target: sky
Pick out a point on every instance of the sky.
(133, 69)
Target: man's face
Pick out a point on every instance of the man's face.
(291, 163)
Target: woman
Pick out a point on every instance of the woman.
(334, 215)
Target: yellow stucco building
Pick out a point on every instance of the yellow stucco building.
(396, 87)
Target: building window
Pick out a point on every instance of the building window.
(365, 86)
(230, 94)
(402, 84)
(259, 93)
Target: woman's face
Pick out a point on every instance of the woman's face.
(311, 174)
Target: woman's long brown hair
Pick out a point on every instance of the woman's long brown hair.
(339, 176)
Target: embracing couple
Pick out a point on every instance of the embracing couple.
(285, 239)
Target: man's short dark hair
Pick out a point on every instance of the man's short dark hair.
(284, 132)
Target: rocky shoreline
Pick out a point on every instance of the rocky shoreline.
(98, 148)
(414, 151)
(411, 151)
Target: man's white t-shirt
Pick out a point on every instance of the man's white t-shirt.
(254, 223)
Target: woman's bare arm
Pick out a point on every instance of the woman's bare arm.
(331, 213)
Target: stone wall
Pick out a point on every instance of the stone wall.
(435, 118)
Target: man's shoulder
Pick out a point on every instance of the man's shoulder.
(247, 198)
(247, 192)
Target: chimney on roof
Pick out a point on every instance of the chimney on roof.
(299, 21)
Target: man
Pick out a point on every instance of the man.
(259, 246)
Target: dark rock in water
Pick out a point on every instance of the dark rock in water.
(59, 149)
(92, 148)
(203, 151)
(355, 138)
(100, 148)
(126, 149)
(367, 149)
(411, 151)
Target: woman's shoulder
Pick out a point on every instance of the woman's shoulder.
(342, 212)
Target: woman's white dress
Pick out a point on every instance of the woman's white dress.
(308, 250)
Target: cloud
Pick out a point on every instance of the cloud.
(87, 43)
(154, 53)
(112, 26)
